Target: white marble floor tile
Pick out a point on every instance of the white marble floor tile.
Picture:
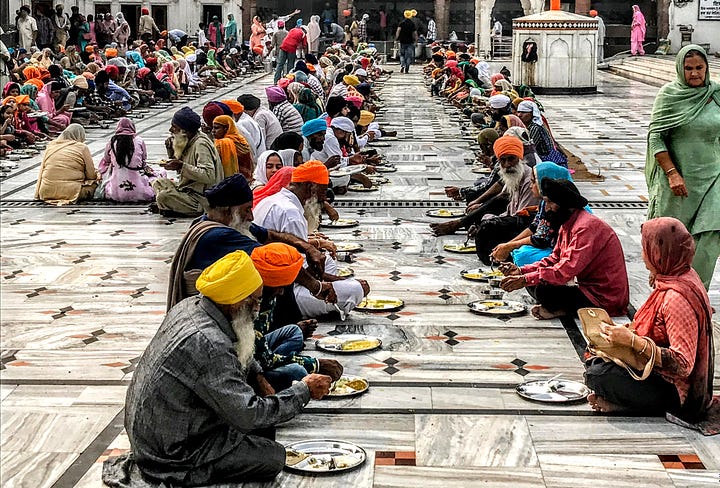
(453, 477)
(31, 469)
(474, 440)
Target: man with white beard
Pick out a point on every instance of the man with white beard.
(193, 155)
(196, 411)
(517, 178)
(228, 227)
(286, 211)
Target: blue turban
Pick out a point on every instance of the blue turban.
(313, 127)
(187, 119)
(233, 190)
(301, 77)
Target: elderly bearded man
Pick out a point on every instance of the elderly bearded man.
(228, 227)
(513, 194)
(191, 414)
(197, 162)
(292, 210)
(489, 231)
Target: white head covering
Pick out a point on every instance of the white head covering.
(343, 123)
(73, 132)
(519, 132)
(475, 92)
(260, 174)
(287, 156)
(528, 106)
(483, 68)
(499, 101)
(360, 72)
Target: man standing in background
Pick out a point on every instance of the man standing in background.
(407, 36)
(61, 21)
(27, 28)
(431, 29)
(601, 36)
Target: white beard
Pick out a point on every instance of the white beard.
(512, 180)
(241, 225)
(312, 215)
(180, 142)
(242, 324)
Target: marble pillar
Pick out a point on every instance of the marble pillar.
(483, 21)
(442, 18)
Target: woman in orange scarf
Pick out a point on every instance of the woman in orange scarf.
(233, 148)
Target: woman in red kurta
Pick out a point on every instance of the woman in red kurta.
(677, 317)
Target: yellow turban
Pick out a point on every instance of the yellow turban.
(351, 80)
(230, 279)
(407, 14)
(413, 12)
(366, 117)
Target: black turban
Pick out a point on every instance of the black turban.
(187, 120)
(563, 193)
(250, 102)
(233, 190)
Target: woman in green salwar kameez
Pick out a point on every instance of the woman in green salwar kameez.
(682, 165)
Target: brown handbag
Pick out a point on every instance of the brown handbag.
(624, 356)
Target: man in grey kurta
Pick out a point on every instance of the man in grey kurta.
(197, 163)
(190, 413)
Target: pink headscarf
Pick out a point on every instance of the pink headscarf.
(495, 77)
(281, 179)
(125, 127)
(669, 249)
(355, 100)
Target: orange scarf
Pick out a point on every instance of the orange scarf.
(234, 150)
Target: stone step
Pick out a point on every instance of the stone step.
(655, 71)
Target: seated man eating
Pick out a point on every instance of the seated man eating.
(587, 250)
(278, 351)
(228, 227)
(289, 210)
(191, 414)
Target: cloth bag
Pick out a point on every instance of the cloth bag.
(623, 356)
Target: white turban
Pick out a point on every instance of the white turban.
(499, 101)
(343, 123)
(528, 106)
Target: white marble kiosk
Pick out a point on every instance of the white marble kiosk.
(566, 49)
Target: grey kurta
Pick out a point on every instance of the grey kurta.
(189, 408)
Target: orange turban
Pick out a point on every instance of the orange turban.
(89, 48)
(278, 264)
(31, 72)
(22, 99)
(111, 52)
(37, 82)
(234, 105)
(311, 172)
(593, 13)
(7, 100)
(508, 145)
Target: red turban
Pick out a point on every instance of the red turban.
(311, 172)
(145, 11)
(151, 62)
(508, 145)
(365, 62)
(112, 71)
(212, 110)
(278, 264)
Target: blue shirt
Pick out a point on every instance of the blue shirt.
(219, 242)
(118, 94)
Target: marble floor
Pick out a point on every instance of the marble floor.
(83, 291)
